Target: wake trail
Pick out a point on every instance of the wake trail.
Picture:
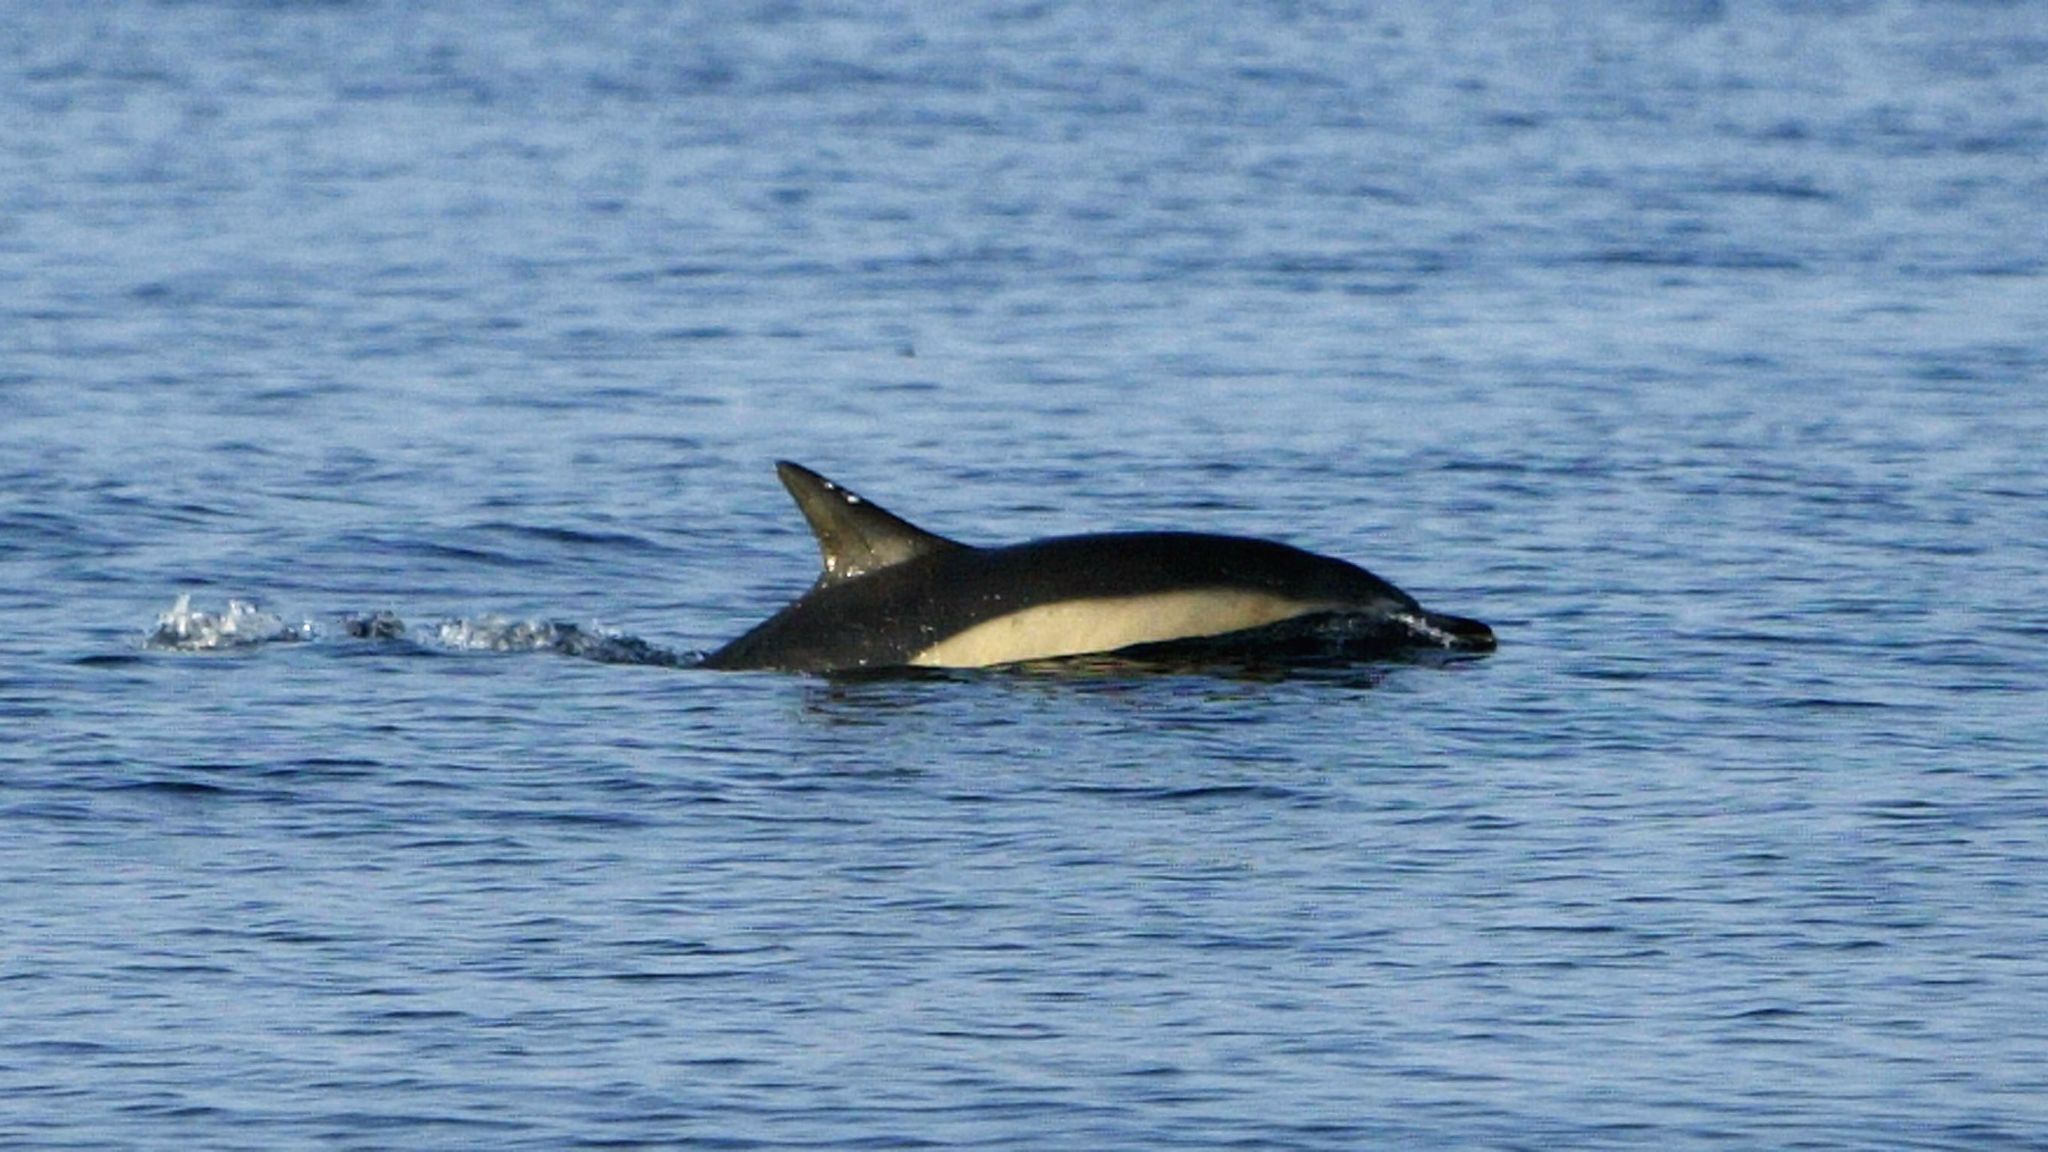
(243, 626)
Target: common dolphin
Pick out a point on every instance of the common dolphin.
(893, 595)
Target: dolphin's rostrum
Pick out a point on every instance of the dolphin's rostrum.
(895, 596)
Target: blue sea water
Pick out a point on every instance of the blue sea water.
(439, 353)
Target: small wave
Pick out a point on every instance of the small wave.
(243, 625)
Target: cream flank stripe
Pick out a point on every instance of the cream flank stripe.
(1075, 627)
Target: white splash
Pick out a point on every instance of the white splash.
(497, 634)
(186, 629)
(604, 645)
(1425, 629)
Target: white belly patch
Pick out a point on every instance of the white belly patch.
(1075, 627)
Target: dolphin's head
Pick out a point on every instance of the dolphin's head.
(1344, 611)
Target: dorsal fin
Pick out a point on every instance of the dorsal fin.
(854, 536)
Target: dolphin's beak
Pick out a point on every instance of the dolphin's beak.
(1458, 633)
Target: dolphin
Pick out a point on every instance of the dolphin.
(894, 596)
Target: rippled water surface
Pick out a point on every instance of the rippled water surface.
(438, 357)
